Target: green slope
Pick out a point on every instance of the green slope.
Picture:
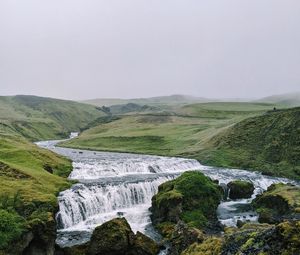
(31, 177)
(182, 132)
(270, 143)
(38, 118)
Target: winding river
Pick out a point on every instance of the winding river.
(121, 184)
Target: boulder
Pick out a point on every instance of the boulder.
(278, 203)
(143, 245)
(115, 237)
(192, 197)
(257, 239)
(240, 189)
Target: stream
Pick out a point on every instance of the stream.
(122, 184)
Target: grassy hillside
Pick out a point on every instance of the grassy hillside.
(38, 118)
(183, 132)
(31, 177)
(270, 143)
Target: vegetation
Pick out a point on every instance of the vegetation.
(270, 143)
(238, 135)
(280, 201)
(28, 189)
(184, 131)
(38, 118)
(192, 197)
(31, 177)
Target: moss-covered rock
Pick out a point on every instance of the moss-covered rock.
(115, 237)
(112, 237)
(192, 197)
(279, 202)
(263, 239)
(143, 245)
(240, 189)
(183, 236)
(210, 246)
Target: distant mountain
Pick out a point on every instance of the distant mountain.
(163, 100)
(290, 99)
(133, 108)
(44, 118)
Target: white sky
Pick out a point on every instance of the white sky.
(80, 49)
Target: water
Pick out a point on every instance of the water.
(122, 185)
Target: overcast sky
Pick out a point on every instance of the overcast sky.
(80, 49)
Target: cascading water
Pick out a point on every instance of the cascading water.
(121, 184)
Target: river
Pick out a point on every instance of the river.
(122, 184)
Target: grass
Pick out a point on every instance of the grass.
(184, 131)
(269, 143)
(37, 118)
(31, 177)
(24, 173)
(236, 135)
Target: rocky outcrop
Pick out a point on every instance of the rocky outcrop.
(192, 198)
(185, 208)
(258, 239)
(38, 239)
(114, 237)
(240, 189)
(279, 202)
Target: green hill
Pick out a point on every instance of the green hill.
(184, 131)
(270, 143)
(31, 177)
(38, 118)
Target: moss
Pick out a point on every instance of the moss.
(11, 227)
(240, 189)
(166, 229)
(192, 197)
(210, 246)
(278, 202)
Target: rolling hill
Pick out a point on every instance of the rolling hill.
(38, 118)
(184, 131)
(269, 143)
(163, 100)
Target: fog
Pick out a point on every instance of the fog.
(79, 49)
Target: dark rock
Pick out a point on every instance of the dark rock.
(143, 245)
(111, 238)
(278, 203)
(115, 237)
(240, 189)
(48, 168)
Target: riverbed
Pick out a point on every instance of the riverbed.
(122, 184)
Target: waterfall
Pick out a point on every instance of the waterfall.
(121, 166)
(83, 201)
(122, 184)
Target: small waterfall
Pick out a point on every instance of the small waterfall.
(83, 201)
(110, 166)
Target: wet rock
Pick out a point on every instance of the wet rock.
(279, 202)
(112, 238)
(240, 189)
(143, 245)
(115, 237)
